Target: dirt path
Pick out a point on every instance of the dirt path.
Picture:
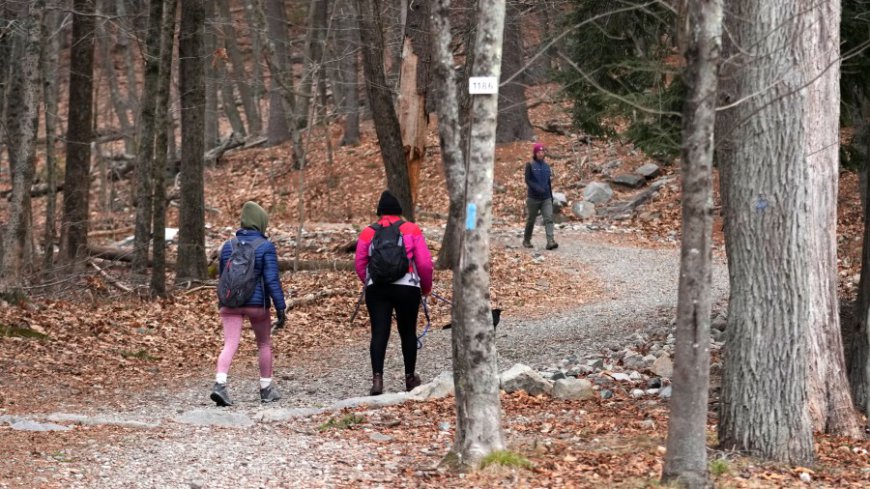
(639, 295)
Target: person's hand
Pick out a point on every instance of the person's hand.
(279, 322)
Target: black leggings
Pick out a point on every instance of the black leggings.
(380, 301)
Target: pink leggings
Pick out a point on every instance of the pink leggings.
(261, 322)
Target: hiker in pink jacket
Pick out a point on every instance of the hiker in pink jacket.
(393, 284)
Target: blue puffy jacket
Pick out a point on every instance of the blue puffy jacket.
(266, 266)
(538, 175)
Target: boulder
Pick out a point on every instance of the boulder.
(214, 417)
(648, 171)
(583, 209)
(597, 192)
(629, 180)
(441, 386)
(560, 200)
(573, 389)
(663, 366)
(522, 377)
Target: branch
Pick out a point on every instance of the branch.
(109, 278)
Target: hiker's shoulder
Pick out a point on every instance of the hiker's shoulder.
(411, 228)
(367, 233)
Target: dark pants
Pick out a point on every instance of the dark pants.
(545, 207)
(381, 300)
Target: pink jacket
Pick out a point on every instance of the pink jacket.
(415, 245)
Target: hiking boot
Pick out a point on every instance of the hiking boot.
(269, 394)
(552, 245)
(377, 385)
(220, 395)
(527, 244)
(411, 381)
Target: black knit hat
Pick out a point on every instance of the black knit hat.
(389, 205)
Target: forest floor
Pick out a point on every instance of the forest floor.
(136, 367)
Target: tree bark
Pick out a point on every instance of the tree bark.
(145, 144)
(254, 28)
(191, 233)
(49, 57)
(239, 73)
(475, 366)
(76, 196)
(118, 101)
(513, 115)
(381, 100)
(314, 40)
(777, 221)
(348, 52)
(212, 117)
(686, 456)
(278, 47)
(16, 261)
(129, 59)
(161, 116)
(228, 98)
(413, 83)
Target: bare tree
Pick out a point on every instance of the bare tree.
(107, 63)
(239, 72)
(191, 233)
(779, 197)
(513, 116)
(475, 367)
(413, 84)
(16, 260)
(686, 457)
(212, 134)
(313, 55)
(381, 100)
(76, 195)
(145, 143)
(161, 116)
(51, 28)
(281, 99)
(347, 50)
(129, 57)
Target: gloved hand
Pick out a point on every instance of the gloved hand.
(279, 322)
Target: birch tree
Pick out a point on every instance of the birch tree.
(52, 26)
(686, 457)
(478, 407)
(16, 259)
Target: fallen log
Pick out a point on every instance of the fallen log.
(623, 208)
(37, 190)
(213, 155)
(312, 297)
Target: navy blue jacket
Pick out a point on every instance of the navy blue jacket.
(538, 175)
(265, 265)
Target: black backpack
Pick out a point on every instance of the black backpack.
(388, 260)
(238, 279)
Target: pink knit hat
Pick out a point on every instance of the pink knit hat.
(536, 148)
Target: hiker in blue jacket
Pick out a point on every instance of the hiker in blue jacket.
(539, 197)
(267, 291)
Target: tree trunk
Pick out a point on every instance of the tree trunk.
(777, 223)
(239, 73)
(475, 366)
(393, 31)
(381, 100)
(145, 145)
(130, 59)
(76, 195)
(686, 457)
(513, 117)
(16, 261)
(348, 49)
(161, 116)
(413, 82)
(118, 101)
(212, 117)
(314, 39)
(6, 48)
(254, 27)
(228, 98)
(278, 47)
(49, 57)
(191, 232)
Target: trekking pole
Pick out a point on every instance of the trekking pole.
(426, 328)
(362, 294)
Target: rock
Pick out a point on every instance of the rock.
(573, 389)
(654, 383)
(663, 366)
(583, 209)
(523, 377)
(665, 393)
(595, 363)
(387, 399)
(716, 335)
(444, 426)
(622, 377)
(648, 170)
(559, 200)
(605, 394)
(637, 393)
(648, 424)
(441, 386)
(652, 392)
(632, 360)
(629, 180)
(284, 414)
(597, 192)
(379, 437)
(101, 420)
(558, 376)
(719, 323)
(579, 370)
(214, 417)
(30, 425)
(650, 359)
(635, 375)
(805, 477)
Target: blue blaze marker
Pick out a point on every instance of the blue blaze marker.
(471, 216)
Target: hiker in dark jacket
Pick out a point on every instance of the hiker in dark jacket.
(266, 292)
(403, 295)
(539, 197)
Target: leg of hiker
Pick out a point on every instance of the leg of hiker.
(547, 213)
(380, 309)
(533, 206)
(232, 322)
(261, 323)
(407, 301)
